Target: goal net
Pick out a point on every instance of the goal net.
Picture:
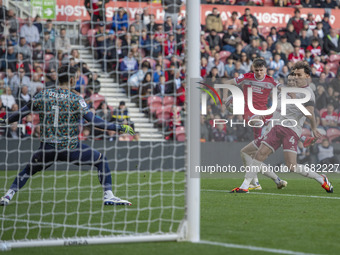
(130, 70)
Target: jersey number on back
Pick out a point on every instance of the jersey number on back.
(56, 115)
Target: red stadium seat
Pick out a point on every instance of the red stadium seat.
(334, 58)
(224, 55)
(168, 100)
(333, 66)
(333, 133)
(163, 115)
(91, 36)
(85, 26)
(154, 103)
(180, 134)
(97, 99)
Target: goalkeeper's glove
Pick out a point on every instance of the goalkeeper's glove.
(127, 129)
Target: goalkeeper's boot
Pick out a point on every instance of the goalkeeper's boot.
(282, 184)
(4, 201)
(327, 185)
(255, 187)
(309, 141)
(112, 200)
(238, 190)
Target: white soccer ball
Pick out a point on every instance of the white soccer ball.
(229, 104)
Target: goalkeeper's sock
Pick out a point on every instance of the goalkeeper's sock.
(108, 194)
(10, 193)
(251, 173)
(306, 172)
(104, 174)
(22, 178)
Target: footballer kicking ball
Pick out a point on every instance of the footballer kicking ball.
(229, 104)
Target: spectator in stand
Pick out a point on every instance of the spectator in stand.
(294, 3)
(274, 35)
(120, 20)
(138, 24)
(37, 23)
(270, 43)
(159, 34)
(319, 28)
(219, 134)
(329, 4)
(229, 67)
(101, 37)
(303, 154)
(172, 9)
(9, 59)
(264, 53)
(157, 73)
(247, 29)
(47, 44)
(277, 65)
(7, 99)
(214, 40)
(13, 132)
(332, 43)
(284, 72)
(305, 41)
(204, 64)
(309, 57)
(146, 17)
(214, 21)
(18, 81)
(230, 39)
(135, 80)
(315, 35)
(329, 119)
(234, 22)
(281, 3)
(168, 26)
(163, 88)
(11, 22)
(252, 48)
(151, 27)
(325, 23)
(237, 53)
(308, 4)
(22, 47)
(216, 62)
(63, 43)
(175, 121)
(286, 47)
(30, 32)
(170, 46)
(291, 34)
(333, 97)
(22, 63)
(325, 153)
(329, 74)
(296, 56)
(247, 16)
(49, 28)
(318, 66)
(35, 85)
(24, 97)
(297, 22)
(128, 65)
(255, 34)
(204, 130)
(315, 48)
(38, 54)
(180, 94)
(237, 69)
(93, 83)
(104, 111)
(245, 63)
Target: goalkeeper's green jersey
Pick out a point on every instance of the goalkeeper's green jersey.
(60, 112)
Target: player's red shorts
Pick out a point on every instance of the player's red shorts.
(278, 136)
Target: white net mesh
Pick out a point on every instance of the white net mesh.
(128, 72)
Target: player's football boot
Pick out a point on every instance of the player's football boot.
(309, 141)
(282, 184)
(4, 201)
(112, 200)
(238, 190)
(327, 185)
(255, 187)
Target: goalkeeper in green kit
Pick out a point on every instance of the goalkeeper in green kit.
(60, 111)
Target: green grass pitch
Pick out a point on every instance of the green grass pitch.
(300, 218)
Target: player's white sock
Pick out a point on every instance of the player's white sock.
(108, 194)
(10, 193)
(251, 173)
(306, 172)
(266, 171)
(247, 160)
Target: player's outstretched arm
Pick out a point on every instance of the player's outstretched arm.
(102, 124)
(15, 116)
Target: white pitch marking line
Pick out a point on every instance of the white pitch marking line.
(66, 225)
(274, 194)
(254, 248)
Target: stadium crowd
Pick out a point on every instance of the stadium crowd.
(148, 58)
